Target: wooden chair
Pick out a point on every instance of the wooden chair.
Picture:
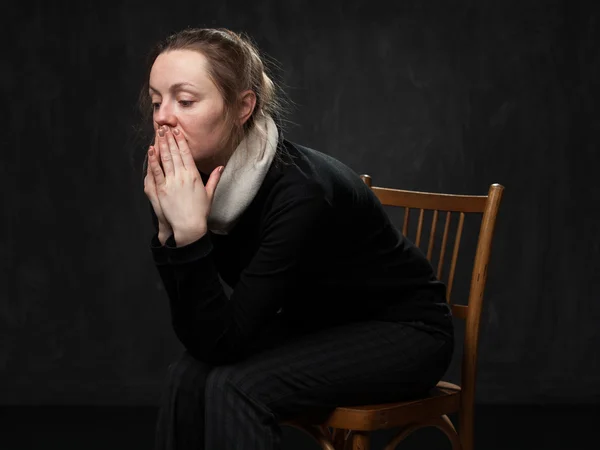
(350, 426)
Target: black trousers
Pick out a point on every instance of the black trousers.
(238, 406)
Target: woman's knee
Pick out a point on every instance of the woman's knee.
(220, 379)
(231, 381)
(187, 374)
(235, 388)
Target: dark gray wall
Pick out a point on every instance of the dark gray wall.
(433, 95)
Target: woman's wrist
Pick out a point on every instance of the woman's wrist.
(185, 237)
(164, 232)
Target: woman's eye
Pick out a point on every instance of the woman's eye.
(155, 106)
(185, 103)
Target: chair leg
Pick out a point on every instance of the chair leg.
(465, 425)
(446, 425)
(466, 414)
(361, 441)
(339, 439)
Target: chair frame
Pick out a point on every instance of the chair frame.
(349, 427)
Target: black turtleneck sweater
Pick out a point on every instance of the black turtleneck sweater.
(315, 246)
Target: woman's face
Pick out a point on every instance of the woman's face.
(184, 96)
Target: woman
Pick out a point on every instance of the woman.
(330, 304)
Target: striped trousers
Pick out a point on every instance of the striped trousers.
(239, 406)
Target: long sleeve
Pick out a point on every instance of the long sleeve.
(160, 255)
(218, 329)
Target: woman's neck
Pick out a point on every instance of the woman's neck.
(221, 158)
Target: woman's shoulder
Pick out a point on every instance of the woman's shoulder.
(309, 164)
(308, 171)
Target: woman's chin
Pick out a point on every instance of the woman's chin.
(204, 166)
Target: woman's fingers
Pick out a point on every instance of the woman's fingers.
(165, 153)
(154, 168)
(211, 184)
(156, 149)
(184, 150)
(149, 178)
(174, 149)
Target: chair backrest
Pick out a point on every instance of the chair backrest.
(488, 206)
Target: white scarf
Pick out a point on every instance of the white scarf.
(243, 175)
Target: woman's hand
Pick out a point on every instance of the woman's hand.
(164, 228)
(184, 200)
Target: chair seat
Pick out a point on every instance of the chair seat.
(443, 399)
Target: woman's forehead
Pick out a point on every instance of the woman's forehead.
(179, 67)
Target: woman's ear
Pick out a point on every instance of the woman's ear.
(247, 104)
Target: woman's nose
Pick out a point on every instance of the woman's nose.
(165, 116)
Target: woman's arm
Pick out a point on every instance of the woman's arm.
(160, 254)
(215, 328)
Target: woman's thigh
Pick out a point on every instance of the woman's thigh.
(356, 363)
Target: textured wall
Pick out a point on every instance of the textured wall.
(434, 95)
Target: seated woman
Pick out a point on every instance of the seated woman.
(330, 304)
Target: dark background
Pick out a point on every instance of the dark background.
(440, 95)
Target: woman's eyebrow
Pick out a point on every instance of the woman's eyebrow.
(175, 87)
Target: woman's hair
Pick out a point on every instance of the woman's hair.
(234, 65)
